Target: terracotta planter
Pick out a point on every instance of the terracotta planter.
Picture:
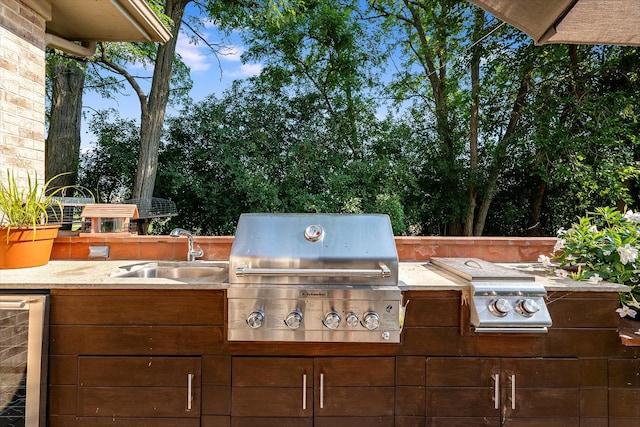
(23, 249)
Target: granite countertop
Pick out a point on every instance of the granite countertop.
(104, 275)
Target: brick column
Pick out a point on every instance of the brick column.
(22, 87)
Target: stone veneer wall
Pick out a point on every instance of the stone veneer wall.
(22, 89)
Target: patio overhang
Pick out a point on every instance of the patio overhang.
(89, 21)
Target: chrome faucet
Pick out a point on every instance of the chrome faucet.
(192, 254)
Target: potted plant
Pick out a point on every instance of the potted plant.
(603, 245)
(26, 239)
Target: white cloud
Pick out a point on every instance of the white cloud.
(247, 70)
(231, 53)
(193, 55)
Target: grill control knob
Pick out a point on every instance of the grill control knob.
(371, 320)
(255, 319)
(500, 307)
(332, 320)
(352, 320)
(527, 307)
(294, 319)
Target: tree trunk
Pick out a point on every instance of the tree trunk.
(536, 207)
(152, 116)
(501, 149)
(62, 146)
(474, 121)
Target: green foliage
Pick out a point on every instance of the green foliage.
(109, 167)
(603, 245)
(27, 206)
(307, 134)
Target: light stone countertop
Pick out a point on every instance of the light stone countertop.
(100, 275)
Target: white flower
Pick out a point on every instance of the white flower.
(561, 231)
(560, 243)
(606, 253)
(545, 260)
(593, 229)
(632, 216)
(627, 253)
(595, 279)
(562, 273)
(626, 311)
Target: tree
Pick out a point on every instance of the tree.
(66, 78)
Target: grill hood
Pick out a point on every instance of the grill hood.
(314, 249)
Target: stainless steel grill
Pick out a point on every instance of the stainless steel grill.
(502, 300)
(313, 277)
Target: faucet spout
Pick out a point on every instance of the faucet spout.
(192, 253)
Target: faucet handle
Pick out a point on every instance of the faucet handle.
(197, 252)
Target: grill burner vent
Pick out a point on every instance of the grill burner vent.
(502, 300)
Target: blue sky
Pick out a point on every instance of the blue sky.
(210, 73)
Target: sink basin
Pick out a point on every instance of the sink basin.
(183, 271)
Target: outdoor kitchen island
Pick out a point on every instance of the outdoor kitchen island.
(153, 352)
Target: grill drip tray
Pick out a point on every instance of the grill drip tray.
(314, 313)
(502, 300)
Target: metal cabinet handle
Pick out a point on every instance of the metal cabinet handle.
(321, 391)
(190, 391)
(513, 392)
(304, 391)
(13, 305)
(496, 391)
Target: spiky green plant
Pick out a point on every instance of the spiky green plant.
(22, 207)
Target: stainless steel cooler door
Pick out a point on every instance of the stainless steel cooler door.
(23, 321)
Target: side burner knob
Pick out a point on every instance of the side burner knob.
(255, 319)
(294, 319)
(500, 307)
(371, 320)
(527, 307)
(332, 320)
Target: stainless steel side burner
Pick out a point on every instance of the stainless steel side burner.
(502, 300)
(314, 277)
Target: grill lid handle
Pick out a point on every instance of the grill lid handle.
(383, 272)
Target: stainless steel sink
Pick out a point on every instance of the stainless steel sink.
(182, 271)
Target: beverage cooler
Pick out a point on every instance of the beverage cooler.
(23, 359)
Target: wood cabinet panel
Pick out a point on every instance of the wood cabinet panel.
(356, 371)
(464, 422)
(138, 371)
(136, 340)
(270, 422)
(260, 401)
(139, 387)
(356, 402)
(151, 402)
(136, 422)
(137, 307)
(462, 372)
(272, 387)
(354, 421)
(271, 371)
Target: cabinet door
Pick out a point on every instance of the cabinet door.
(463, 392)
(540, 392)
(128, 389)
(271, 388)
(624, 392)
(358, 387)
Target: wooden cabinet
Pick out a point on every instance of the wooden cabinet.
(134, 358)
(322, 391)
(165, 391)
(624, 392)
(502, 392)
